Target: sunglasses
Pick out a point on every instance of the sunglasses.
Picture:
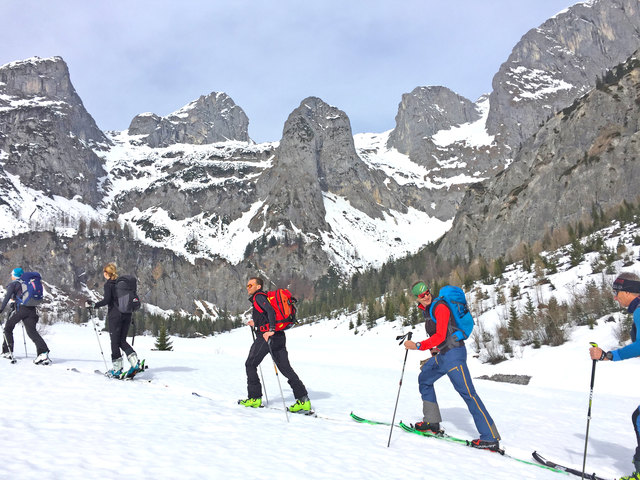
(424, 294)
(250, 285)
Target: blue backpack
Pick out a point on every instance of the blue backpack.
(32, 291)
(457, 302)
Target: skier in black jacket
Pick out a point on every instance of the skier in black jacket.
(29, 318)
(119, 324)
(264, 320)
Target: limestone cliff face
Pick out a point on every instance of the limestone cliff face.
(584, 159)
(559, 61)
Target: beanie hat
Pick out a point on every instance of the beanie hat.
(17, 272)
(418, 288)
(626, 285)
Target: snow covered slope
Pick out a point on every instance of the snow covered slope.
(63, 424)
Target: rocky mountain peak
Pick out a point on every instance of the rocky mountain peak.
(317, 144)
(46, 82)
(425, 111)
(46, 134)
(209, 119)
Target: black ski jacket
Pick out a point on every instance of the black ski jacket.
(110, 300)
(14, 290)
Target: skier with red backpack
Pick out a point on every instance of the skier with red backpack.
(448, 323)
(26, 291)
(271, 329)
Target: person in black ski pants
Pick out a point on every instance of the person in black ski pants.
(264, 320)
(119, 323)
(29, 318)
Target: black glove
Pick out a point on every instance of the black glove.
(89, 304)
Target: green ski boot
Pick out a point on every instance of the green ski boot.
(302, 405)
(251, 402)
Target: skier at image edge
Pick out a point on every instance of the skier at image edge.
(626, 291)
(118, 326)
(265, 323)
(29, 318)
(449, 358)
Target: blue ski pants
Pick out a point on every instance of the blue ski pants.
(453, 363)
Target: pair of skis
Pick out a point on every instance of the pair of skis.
(116, 377)
(540, 461)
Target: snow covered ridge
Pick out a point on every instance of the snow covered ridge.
(534, 84)
(8, 103)
(30, 61)
(472, 134)
(37, 211)
(372, 149)
(359, 242)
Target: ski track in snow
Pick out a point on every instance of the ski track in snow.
(62, 424)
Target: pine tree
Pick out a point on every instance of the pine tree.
(515, 331)
(163, 342)
(576, 253)
(389, 311)
(372, 315)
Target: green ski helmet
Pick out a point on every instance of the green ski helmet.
(418, 288)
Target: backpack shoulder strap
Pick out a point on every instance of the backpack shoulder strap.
(432, 308)
(453, 325)
(256, 304)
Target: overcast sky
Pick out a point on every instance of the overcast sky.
(130, 57)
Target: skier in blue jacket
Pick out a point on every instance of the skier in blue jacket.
(626, 291)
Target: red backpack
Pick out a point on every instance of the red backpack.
(285, 306)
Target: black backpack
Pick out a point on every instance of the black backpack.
(126, 294)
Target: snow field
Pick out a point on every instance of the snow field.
(63, 424)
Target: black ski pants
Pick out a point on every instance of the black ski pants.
(259, 349)
(29, 318)
(119, 324)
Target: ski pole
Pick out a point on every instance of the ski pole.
(401, 338)
(24, 339)
(264, 386)
(286, 411)
(586, 437)
(106, 368)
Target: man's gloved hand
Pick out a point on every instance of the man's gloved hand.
(89, 304)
